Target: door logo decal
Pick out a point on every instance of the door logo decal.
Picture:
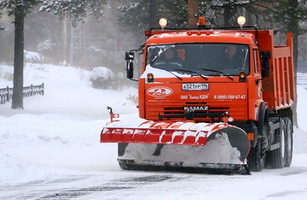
(159, 91)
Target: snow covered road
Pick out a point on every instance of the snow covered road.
(51, 150)
(290, 183)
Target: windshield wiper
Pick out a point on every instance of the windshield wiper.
(191, 71)
(212, 70)
(162, 50)
(170, 71)
(154, 59)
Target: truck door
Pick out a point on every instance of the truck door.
(258, 82)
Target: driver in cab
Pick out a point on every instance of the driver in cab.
(230, 56)
(168, 60)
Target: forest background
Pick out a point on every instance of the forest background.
(91, 34)
(101, 41)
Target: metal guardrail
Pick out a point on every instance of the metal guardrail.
(7, 93)
(302, 67)
(301, 79)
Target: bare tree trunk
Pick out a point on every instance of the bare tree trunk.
(65, 41)
(192, 12)
(227, 15)
(17, 102)
(153, 21)
(293, 26)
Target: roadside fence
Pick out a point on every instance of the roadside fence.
(7, 93)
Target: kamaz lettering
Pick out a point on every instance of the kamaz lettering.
(195, 108)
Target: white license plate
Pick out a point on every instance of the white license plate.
(195, 86)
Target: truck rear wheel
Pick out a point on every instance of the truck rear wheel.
(282, 157)
(288, 142)
(276, 157)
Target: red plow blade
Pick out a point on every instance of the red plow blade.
(176, 133)
(151, 135)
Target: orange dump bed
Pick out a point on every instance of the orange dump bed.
(278, 88)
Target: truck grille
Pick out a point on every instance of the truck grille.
(212, 114)
(197, 111)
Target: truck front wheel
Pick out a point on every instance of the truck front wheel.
(255, 158)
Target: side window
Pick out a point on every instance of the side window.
(256, 58)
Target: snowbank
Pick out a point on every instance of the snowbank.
(60, 130)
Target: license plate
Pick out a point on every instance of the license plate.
(195, 86)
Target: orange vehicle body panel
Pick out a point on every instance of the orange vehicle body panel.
(278, 88)
(218, 96)
(242, 99)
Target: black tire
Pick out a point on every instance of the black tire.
(276, 158)
(121, 147)
(288, 142)
(124, 166)
(255, 158)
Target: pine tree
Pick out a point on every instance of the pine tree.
(76, 10)
(18, 8)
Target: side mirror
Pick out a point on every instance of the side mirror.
(129, 69)
(265, 56)
(129, 57)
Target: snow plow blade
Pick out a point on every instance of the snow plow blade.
(179, 144)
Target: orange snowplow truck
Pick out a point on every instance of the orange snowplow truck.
(209, 98)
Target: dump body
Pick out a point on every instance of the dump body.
(278, 88)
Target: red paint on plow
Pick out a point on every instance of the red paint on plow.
(186, 133)
(151, 135)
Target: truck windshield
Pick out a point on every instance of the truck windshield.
(209, 59)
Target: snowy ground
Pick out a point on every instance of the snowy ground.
(51, 149)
